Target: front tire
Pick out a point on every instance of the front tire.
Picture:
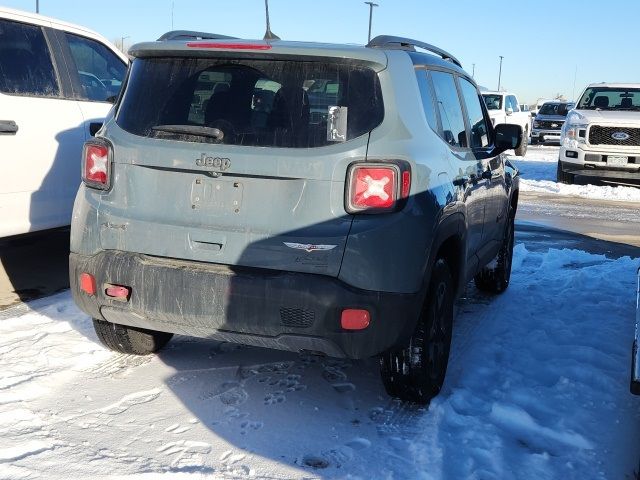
(522, 149)
(495, 279)
(131, 340)
(416, 372)
(564, 177)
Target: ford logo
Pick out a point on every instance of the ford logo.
(621, 136)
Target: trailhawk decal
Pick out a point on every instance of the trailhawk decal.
(308, 247)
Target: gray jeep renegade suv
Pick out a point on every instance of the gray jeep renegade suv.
(307, 197)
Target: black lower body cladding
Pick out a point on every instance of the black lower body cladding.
(267, 308)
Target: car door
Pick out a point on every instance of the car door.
(453, 131)
(40, 133)
(97, 72)
(491, 169)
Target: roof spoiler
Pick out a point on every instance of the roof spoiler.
(190, 35)
(410, 44)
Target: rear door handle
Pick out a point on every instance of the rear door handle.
(8, 127)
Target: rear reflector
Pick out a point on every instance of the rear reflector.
(406, 184)
(117, 291)
(354, 319)
(230, 46)
(88, 283)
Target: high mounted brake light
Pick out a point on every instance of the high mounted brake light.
(377, 187)
(230, 46)
(96, 164)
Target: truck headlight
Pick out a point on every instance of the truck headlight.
(573, 134)
(536, 124)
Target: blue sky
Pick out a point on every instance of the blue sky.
(542, 41)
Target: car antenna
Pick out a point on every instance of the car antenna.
(269, 35)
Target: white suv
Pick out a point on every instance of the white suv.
(601, 136)
(57, 83)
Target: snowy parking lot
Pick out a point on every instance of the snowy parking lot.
(537, 387)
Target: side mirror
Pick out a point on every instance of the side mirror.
(507, 137)
(509, 111)
(533, 114)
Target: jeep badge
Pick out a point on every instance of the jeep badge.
(215, 162)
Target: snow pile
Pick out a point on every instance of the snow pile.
(538, 169)
(537, 388)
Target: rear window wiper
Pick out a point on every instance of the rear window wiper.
(207, 132)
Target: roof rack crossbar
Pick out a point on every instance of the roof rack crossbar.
(410, 44)
(190, 35)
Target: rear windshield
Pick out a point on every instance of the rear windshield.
(270, 103)
(555, 109)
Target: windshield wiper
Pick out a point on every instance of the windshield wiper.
(207, 132)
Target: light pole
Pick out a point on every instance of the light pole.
(37, 6)
(473, 72)
(122, 39)
(371, 5)
(500, 72)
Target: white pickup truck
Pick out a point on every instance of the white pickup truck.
(600, 138)
(504, 108)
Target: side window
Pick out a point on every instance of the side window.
(512, 103)
(426, 93)
(475, 116)
(450, 110)
(100, 70)
(25, 62)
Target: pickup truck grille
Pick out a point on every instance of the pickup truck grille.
(549, 124)
(599, 135)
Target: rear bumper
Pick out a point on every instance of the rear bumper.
(266, 308)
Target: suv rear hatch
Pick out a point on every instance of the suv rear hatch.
(238, 157)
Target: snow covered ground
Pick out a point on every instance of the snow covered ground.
(537, 389)
(538, 169)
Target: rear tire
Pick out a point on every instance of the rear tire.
(522, 149)
(564, 177)
(416, 372)
(495, 279)
(132, 340)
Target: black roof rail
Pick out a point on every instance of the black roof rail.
(410, 44)
(189, 35)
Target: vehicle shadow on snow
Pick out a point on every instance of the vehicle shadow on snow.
(306, 411)
(36, 264)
